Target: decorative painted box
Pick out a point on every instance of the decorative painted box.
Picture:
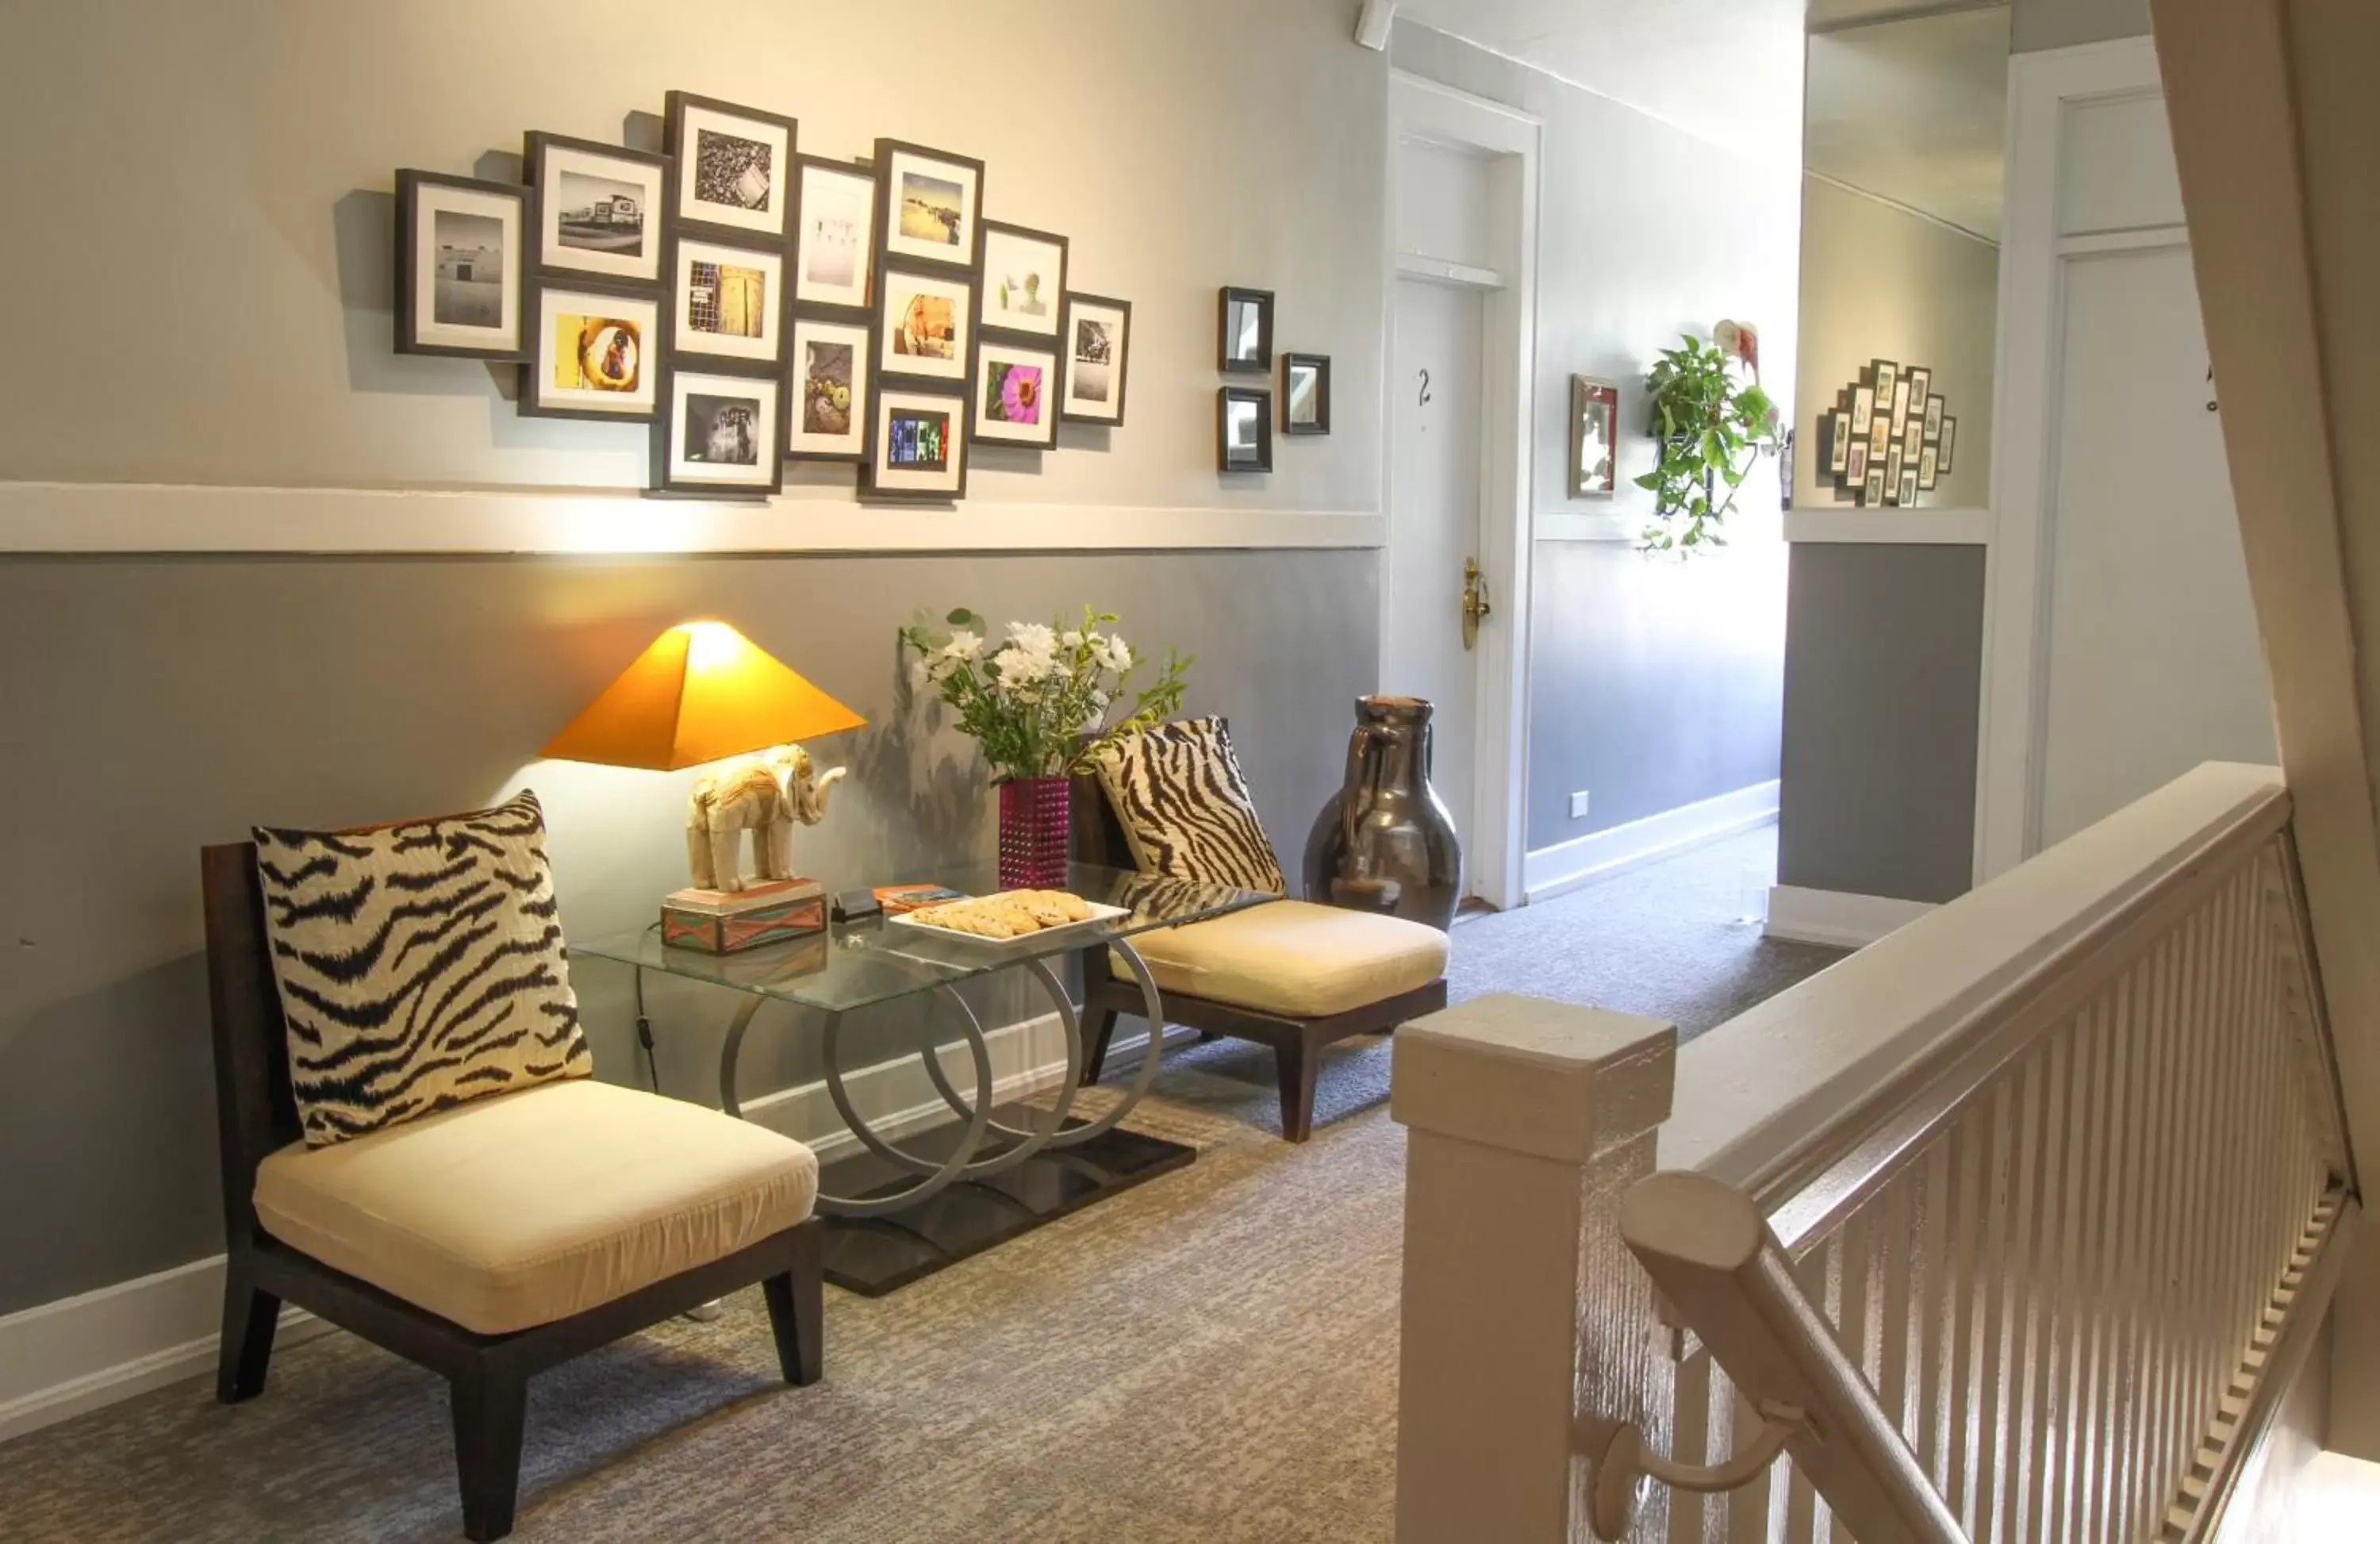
(722, 922)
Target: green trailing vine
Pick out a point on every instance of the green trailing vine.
(1712, 426)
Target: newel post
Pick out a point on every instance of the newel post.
(1525, 1319)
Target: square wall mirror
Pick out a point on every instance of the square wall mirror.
(1246, 330)
(1242, 429)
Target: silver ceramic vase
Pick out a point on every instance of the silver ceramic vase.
(1385, 842)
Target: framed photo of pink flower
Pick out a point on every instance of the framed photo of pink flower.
(1016, 394)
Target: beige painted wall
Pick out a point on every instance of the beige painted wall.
(200, 219)
(2040, 24)
(1878, 281)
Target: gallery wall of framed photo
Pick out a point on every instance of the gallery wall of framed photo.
(753, 304)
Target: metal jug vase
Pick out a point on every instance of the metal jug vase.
(1385, 842)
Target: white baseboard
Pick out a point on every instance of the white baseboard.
(61, 1359)
(1550, 871)
(1838, 916)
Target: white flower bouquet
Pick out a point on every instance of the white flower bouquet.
(1043, 701)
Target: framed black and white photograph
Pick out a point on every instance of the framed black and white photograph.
(1016, 394)
(1934, 419)
(828, 403)
(925, 324)
(719, 434)
(597, 351)
(1855, 467)
(1885, 376)
(1246, 324)
(1594, 437)
(1879, 432)
(1909, 484)
(1024, 274)
(835, 222)
(459, 288)
(1950, 440)
(916, 446)
(1242, 429)
(731, 167)
(1929, 466)
(598, 208)
(1863, 411)
(926, 204)
(1098, 341)
(1921, 385)
(1839, 442)
(727, 300)
(1900, 406)
(1873, 489)
(1304, 394)
(1895, 458)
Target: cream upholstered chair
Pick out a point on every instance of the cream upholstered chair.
(1294, 975)
(492, 1240)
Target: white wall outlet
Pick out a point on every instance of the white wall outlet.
(1578, 805)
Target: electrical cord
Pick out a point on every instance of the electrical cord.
(644, 1025)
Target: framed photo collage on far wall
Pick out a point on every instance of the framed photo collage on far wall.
(751, 304)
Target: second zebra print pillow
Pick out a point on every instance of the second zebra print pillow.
(1185, 808)
(420, 966)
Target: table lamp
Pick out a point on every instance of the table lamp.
(703, 692)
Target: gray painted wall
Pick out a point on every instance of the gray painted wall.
(1653, 684)
(2038, 24)
(154, 706)
(219, 175)
(1883, 664)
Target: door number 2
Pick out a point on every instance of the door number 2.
(1424, 400)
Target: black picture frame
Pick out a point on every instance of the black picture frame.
(667, 482)
(890, 273)
(651, 344)
(1072, 359)
(536, 148)
(980, 390)
(779, 314)
(963, 252)
(863, 240)
(1049, 337)
(1321, 365)
(1261, 399)
(880, 403)
(415, 334)
(1226, 360)
(784, 180)
(863, 396)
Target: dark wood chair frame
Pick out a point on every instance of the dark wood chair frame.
(1096, 837)
(488, 1375)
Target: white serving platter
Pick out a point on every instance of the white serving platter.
(1022, 942)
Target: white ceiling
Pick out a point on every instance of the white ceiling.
(1727, 70)
(1915, 112)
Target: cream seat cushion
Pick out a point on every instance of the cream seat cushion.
(1294, 958)
(517, 1210)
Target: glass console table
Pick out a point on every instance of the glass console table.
(900, 1216)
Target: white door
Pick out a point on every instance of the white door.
(2153, 664)
(1434, 510)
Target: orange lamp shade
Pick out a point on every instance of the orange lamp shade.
(701, 692)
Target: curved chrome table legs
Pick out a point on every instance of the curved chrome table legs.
(933, 1175)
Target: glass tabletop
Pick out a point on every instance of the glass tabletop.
(858, 963)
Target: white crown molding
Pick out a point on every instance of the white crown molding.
(102, 517)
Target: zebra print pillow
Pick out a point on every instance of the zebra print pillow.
(420, 966)
(1185, 808)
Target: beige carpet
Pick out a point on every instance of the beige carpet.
(1209, 1358)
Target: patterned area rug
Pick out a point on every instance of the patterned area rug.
(1208, 1359)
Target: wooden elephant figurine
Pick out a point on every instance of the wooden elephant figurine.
(766, 798)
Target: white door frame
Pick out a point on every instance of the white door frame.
(1426, 111)
(2043, 90)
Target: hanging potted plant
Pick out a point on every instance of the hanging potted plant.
(1712, 424)
(1042, 704)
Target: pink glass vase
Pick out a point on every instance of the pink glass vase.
(1034, 816)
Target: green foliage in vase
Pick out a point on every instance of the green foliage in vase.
(1712, 426)
(1042, 702)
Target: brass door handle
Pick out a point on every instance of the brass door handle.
(1476, 607)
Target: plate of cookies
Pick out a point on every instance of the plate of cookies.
(1010, 919)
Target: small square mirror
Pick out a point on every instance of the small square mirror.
(1244, 429)
(1305, 393)
(1247, 330)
